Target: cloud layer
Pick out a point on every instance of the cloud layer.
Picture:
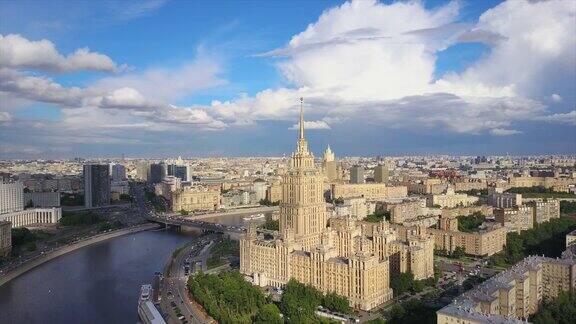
(361, 63)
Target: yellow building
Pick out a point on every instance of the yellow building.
(306, 249)
(555, 183)
(195, 199)
(480, 243)
(513, 295)
(274, 192)
(372, 191)
(451, 199)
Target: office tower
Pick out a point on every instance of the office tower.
(357, 174)
(329, 165)
(118, 172)
(157, 172)
(11, 197)
(381, 174)
(96, 185)
(143, 171)
(181, 171)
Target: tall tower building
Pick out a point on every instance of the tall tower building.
(96, 185)
(329, 165)
(157, 172)
(381, 174)
(118, 172)
(357, 174)
(303, 210)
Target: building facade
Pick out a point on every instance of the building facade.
(96, 185)
(372, 191)
(33, 216)
(381, 174)
(11, 197)
(451, 199)
(515, 219)
(485, 242)
(42, 199)
(195, 199)
(5, 238)
(513, 295)
(357, 174)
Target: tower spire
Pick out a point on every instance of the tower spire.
(301, 118)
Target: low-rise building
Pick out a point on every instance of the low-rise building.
(451, 199)
(33, 216)
(372, 191)
(5, 238)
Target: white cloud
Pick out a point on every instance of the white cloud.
(365, 58)
(19, 52)
(312, 124)
(5, 117)
(556, 97)
(38, 88)
(503, 132)
(363, 62)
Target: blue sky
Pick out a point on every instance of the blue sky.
(209, 78)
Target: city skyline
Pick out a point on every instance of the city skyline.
(169, 78)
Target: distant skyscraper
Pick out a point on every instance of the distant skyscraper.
(118, 172)
(179, 171)
(381, 174)
(329, 164)
(143, 170)
(157, 172)
(96, 185)
(357, 174)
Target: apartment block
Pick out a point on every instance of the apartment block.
(373, 191)
(513, 295)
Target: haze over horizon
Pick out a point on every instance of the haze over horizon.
(162, 78)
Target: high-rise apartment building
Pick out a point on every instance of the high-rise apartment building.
(96, 185)
(357, 174)
(381, 174)
(11, 197)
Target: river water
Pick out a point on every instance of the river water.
(99, 283)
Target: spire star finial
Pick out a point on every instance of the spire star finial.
(301, 118)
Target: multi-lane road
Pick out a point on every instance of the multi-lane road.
(173, 289)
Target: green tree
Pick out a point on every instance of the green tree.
(561, 309)
(268, 314)
(336, 303)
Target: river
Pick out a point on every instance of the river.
(95, 284)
